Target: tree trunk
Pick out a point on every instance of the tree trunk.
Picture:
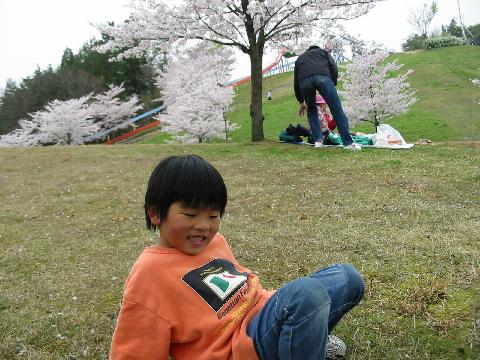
(226, 125)
(256, 56)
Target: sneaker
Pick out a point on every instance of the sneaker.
(336, 348)
(318, 144)
(353, 146)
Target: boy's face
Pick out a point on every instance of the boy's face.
(189, 230)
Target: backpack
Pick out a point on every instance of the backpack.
(294, 134)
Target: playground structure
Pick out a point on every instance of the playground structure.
(138, 130)
(281, 64)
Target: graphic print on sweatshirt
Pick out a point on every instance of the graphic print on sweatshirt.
(216, 282)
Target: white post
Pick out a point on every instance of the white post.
(461, 21)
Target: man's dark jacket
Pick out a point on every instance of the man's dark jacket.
(312, 62)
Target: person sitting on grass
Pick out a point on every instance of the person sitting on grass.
(327, 123)
(188, 298)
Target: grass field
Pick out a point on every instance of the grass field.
(71, 225)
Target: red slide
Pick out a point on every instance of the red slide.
(264, 71)
(131, 133)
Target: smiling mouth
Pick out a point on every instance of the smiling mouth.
(197, 240)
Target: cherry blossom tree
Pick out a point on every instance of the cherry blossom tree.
(25, 135)
(65, 122)
(60, 122)
(374, 90)
(71, 122)
(249, 25)
(196, 100)
(110, 112)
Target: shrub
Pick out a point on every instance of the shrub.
(443, 41)
(414, 42)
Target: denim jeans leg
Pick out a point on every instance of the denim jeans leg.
(345, 287)
(293, 324)
(309, 92)
(326, 88)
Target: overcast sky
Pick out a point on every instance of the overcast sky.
(36, 32)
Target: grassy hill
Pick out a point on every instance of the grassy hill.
(444, 112)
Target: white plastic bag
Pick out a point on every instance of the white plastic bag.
(387, 135)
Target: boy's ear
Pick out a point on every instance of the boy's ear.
(153, 216)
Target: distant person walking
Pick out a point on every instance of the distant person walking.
(316, 70)
(269, 95)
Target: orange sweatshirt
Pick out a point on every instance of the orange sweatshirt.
(189, 307)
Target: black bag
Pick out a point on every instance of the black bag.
(298, 132)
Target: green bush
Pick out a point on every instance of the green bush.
(443, 41)
(414, 42)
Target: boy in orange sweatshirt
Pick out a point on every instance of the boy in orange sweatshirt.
(188, 298)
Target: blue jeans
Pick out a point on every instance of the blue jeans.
(296, 320)
(326, 88)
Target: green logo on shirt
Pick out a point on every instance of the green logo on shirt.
(224, 283)
(216, 282)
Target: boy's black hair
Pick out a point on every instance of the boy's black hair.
(187, 179)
